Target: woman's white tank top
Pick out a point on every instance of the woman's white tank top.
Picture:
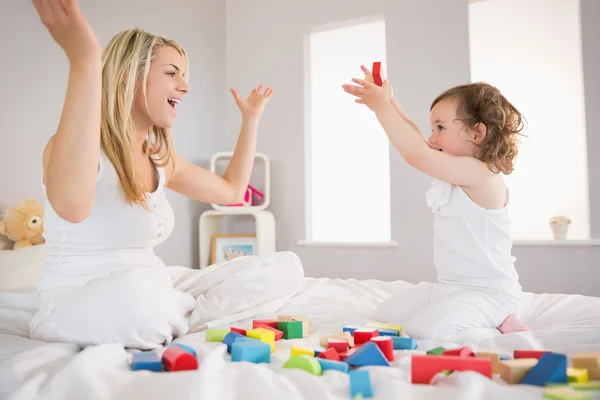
(116, 236)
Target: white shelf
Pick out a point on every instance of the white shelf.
(553, 243)
(346, 244)
(266, 190)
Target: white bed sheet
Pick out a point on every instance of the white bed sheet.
(31, 369)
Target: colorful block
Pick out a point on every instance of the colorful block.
(364, 335)
(330, 354)
(589, 361)
(438, 351)
(406, 343)
(386, 327)
(423, 368)
(347, 336)
(216, 335)
(376, 72)
(351, 328)
(577, 375)
(512, 371)
(263, 335)
(254, 351)
(305, 362)
(186, 348)
(461, 352)
(565, 394)
(176, 359)
(298, 349)
(367, 354)
(360, 384)
(340, 345)
(490, 355)
(550, 368)
(239, 330)
(290, 329)
(327, 364)
(231, 337)
(529, 353)
(306, 325)
(278, 334)
(269, 322)
(386, 345)
(146, 360)
(591, 385)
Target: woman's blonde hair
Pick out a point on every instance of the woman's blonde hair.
(483, 103)
(125, 66)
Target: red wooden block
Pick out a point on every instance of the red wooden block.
(277, 332)
(423, 368)
(340, 345)
(376, 72)
(330, 354)
(345, 354)
(364, 335)
(269, 322)
(176, 359)
(239, 330)
(530, 353)
(386, 345)
(461, 352)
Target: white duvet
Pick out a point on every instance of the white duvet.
(32, 369)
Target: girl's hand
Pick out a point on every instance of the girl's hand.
(369, 93)
(254, 105)
(69, 28)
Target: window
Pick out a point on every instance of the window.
(348, 162)
(531, 51)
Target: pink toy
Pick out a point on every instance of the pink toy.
(252, 197)
(512, 324)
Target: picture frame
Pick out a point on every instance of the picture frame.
(226, 247)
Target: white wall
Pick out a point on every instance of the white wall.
(428, 51)
(33, 83)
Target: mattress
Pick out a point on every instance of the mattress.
(30, 369)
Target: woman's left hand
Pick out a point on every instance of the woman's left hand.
(369, 93)
(254, 105)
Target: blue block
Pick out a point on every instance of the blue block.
(186, 348)
(404, 343)
(333, 365)
(146, 360)
(388, 332)
(352, 328)
(360, 383)
(254, 351)
(319, 350)
(232, 337)
(503, 357)
(551, 368)
(367, 354)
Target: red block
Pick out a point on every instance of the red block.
(364, 335)
(346, 354)
(386, 345)
(341, 345)
(461, 352)
(530, 353)
(330, 354)
(278, 333)
(376, 72)
(270, 322)
(239, 330)
(176, 359)
(423, 368)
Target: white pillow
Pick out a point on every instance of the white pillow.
(20, 269)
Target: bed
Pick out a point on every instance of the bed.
(30, 369)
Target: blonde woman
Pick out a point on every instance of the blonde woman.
(106, 171)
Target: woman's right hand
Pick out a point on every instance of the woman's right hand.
(69, 28)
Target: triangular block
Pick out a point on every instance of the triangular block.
(367, 354)
(551, 368)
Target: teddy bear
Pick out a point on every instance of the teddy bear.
(24, 224)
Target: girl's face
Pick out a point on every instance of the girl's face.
(165, 87)
(448, 133)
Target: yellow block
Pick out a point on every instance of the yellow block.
(264, 335)
(384, 326)
(299, 350)
(577, 375)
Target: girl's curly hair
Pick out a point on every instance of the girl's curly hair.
(482, 103)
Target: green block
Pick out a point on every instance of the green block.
(438, 351)
(307, 363)
(565, 394)
(591, 385)
(290, 329)
(216, 335)
(446, 372)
